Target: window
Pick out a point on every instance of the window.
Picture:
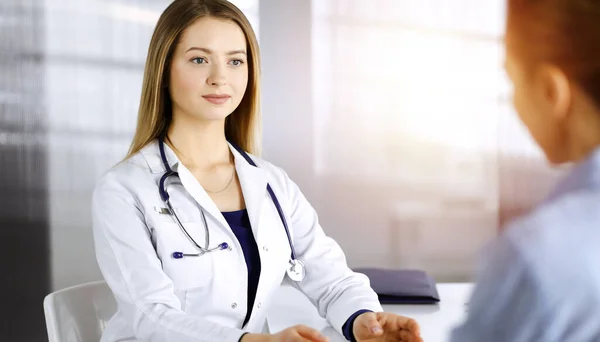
(411, 101)
(404, 92)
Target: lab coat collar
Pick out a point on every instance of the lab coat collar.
(151, 154)
(253, 181)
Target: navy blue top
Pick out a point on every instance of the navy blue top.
(240, 225)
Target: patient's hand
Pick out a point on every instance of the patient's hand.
(383, 326)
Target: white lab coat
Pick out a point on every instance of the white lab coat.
(204, 298)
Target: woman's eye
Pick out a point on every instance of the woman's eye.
(237, 62)
(197, 60)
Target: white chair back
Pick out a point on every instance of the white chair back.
(79, 313)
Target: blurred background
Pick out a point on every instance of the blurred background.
(393, 116)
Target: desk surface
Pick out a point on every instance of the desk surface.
(291, 307)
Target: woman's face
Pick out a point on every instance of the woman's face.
(209, 70)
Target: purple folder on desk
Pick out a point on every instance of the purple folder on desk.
(402, 286)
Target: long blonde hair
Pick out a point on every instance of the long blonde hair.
(155, 112)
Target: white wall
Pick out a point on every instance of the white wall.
(286, 46)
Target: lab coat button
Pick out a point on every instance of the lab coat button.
(265, 249)
(258, 305)
(233, 305)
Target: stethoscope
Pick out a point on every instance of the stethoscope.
(296, 269)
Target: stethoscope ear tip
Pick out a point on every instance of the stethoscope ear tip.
(177, 255)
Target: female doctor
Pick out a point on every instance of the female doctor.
(192, 233)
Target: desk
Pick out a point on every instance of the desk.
(291, 307)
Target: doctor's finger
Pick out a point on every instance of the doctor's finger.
(407, 336)
(409, 324)
(310, 334)
(402, 323)
(382, 318)
(370, 324)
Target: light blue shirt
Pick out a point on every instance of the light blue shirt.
(540, 280)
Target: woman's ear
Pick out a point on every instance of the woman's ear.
(557, 91)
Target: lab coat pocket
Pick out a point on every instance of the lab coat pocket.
(187, 272)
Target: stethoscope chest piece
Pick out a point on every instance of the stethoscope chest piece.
(296, 270)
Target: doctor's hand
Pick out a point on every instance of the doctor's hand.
(298, 333)
(383, 326)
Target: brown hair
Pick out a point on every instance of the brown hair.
(565, 33)
(155, 112)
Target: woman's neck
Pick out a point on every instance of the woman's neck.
(584, 131)
(199, 145)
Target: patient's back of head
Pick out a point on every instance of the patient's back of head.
(553, 60)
